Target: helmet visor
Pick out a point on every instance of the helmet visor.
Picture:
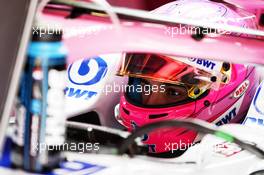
(164, 95)
(169, 70)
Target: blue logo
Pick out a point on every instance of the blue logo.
(258, 108)
(227, 118)
(88, 73)
(77, 167)
(79, 93)
(253, 121)
(205, 63)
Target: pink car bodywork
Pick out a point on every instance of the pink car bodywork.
(157, 39)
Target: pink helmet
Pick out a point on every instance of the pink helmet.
(165, 87)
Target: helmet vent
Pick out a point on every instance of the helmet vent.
(157, 116)
(261, 20)
(126, 111)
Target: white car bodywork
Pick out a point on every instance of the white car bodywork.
(212, 155)
(99, 96)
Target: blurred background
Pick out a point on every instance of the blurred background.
(140, 4)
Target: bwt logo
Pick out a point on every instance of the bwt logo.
(205, 63)
(227, 118)
(79, 93)
(87, 72)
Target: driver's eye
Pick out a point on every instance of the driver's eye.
(172, 92)
(145, 82)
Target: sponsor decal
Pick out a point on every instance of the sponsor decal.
(79, 93)
(258, 101)
(76, 167)
(227, 117)
(254, 121)
(205, 63)
(241, 89)
(227, 149)
(85, 73)
(230, 114)
(255, 116)
(88, 72)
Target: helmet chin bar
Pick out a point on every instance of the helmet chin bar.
(192, 124)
